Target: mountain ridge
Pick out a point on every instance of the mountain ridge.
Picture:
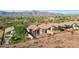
(28, 13)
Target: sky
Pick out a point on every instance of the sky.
(57, 6)
(65, 11)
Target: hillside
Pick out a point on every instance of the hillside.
(27, 13)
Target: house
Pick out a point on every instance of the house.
(73, 24)
(43, 28)
(33, 31)
(1, 33)
(51, 30)
(48, 28)
(8, 34)
(37, 30)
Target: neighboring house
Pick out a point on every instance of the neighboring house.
(8, 34)
(1, 33)
(72, 24)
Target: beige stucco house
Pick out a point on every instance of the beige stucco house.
(8, 34)
(36, 30)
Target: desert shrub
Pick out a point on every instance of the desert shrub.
(59, 28)
(20, 32)
(16, 38)
(68, 26)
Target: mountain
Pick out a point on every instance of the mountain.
(28, 13)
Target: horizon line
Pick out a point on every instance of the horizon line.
(50, 11)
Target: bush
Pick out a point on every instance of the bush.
(59, 28)
(20, 32)
(16, 38)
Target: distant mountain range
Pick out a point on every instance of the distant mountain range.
(28, 13)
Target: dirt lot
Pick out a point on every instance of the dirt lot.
(59, 40)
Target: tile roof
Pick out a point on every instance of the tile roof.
(9, 29)
(43, 26)
(33, 27)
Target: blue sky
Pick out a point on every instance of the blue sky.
(65, 11)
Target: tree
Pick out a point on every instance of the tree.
(20, 31)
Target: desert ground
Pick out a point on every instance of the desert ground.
(59, 40)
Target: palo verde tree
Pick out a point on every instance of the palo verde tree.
(20, 31)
